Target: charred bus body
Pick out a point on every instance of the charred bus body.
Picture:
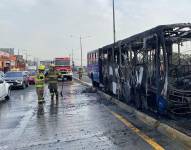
(152, 69)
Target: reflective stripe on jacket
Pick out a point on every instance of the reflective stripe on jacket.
(39, 80)
(52, 77)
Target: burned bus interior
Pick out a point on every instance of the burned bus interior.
(151, 70)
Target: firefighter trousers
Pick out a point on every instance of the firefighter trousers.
(53, 90)
(40, 93)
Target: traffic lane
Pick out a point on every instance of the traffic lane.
(15, 112)
(78, 121)
(148, 134)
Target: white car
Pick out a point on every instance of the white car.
(5, 90)
(2, 74)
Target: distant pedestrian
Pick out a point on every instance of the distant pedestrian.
(80, 72)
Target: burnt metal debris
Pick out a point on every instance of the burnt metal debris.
(151, 69)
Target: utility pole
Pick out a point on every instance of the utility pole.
(25, 53)
(114, 31)
(72, 55)
(81, 49)
(73, 58)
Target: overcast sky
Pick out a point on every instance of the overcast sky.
(44, 27)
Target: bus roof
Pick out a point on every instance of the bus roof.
(174, 29)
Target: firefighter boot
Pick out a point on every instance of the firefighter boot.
(52, 96)
(57, 97)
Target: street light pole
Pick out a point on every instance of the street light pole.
(72, 55)
(114, 31)
(81, 49)
(24, 52)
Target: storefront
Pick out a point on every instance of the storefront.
(5, 63)
(20, 62)
(13, 59)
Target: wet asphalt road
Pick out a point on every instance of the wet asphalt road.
(80, 120)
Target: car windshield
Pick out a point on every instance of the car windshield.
(13, 74)
(62, 62)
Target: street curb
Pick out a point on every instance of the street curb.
(82, 82)
(150, 121)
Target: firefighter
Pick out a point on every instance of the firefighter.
(80, 71)
(52, 79)
(40, 83)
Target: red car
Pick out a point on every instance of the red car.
(32, 77)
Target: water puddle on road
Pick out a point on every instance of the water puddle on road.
(89, 90)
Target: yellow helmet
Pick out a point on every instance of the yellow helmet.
(41, 67)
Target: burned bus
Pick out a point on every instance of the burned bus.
(151, 70)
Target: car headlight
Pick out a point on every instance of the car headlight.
(19, 81)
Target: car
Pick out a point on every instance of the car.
(5, 90)
(27, 73)
(17, 79)
(2, 74)
(32, 77)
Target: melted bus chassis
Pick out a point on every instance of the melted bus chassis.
(149, 70)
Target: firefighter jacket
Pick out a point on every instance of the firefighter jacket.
(40, 80)
(52, 77)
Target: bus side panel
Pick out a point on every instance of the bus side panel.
(93, 72)
(93, 68)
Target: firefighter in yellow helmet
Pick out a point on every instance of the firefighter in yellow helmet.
(40, 83)
(52, 79)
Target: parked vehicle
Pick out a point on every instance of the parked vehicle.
(29, 68)
(32, 77)
(2, 74)
(63, 66)
(150, 70)
(27, 73)
(4, 90)
(17, 79)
